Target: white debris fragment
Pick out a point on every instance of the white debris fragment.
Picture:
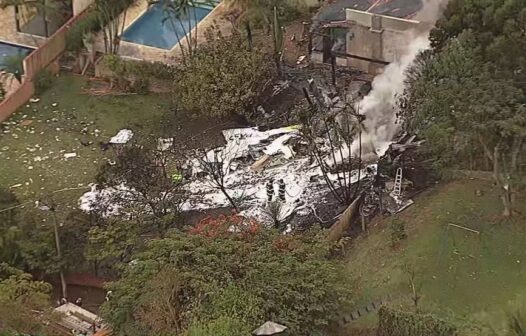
(108, 201)
(70, 155)
(164, 144)
(122, 137)
(34, 100)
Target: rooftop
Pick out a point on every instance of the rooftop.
(335, 11)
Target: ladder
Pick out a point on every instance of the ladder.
(397, 191)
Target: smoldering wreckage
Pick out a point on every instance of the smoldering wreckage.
(292, 177)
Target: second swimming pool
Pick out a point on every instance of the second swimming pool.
(8, 50)
(155, 30)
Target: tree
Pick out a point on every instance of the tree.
(263, 13)
(14, 65)
(217, 164)
(497, 26)
(111, 243)
(247, 11)
(9, 230)
(21, 298)
(150, 195)
(458, 103)
(222, 78)
(193, 281)
(111, 22)
(341, 124)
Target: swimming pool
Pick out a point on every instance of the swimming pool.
(154, 30)
(8, 50)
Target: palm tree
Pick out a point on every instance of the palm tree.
(177, 10)
(249, 11)
(261, 11)
(111, 22)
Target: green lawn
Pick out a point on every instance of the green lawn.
(32, 156)
(473, 277)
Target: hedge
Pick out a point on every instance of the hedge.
(397, 323)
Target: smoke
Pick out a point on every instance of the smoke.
(379, 106)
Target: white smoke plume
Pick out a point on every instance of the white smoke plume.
(379, 106)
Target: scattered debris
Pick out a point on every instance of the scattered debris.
(164, 144)
(269, 328)
(34, 100)
(70, 155)
(72, 317)
(122, 137)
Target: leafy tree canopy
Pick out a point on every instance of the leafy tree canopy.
(497, 26)
(467, 108)
(223, 77)
(20, 298)
(195, 283)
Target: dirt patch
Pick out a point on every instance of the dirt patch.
(295, 43)
(196, 133)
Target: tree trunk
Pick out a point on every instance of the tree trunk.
(59, 255)
(230, 200)
(507, 202)
(504, 184)
(249, 34)
(46, 28)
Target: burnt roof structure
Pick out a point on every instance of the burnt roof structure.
(335, 11)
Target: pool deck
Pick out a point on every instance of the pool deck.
(216, 18)
(173, 56)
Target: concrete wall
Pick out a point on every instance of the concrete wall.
(80, 5)
(376, 37)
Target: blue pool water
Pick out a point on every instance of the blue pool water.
(8, 50)
(153, 29)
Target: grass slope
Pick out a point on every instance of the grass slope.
(464, 275)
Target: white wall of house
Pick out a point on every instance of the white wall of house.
(376, 37)
(80, 5)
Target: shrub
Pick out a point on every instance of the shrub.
(93, 21)
(140, 85)
(222, 77)
(397, 227)
(135, 76)
(398, 323)
(88, 24)
(223, 326)
(3, 92)
(188, 277)
(43, 81)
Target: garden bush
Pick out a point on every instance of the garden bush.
(222, 77)
(397, 227)
(135, 76)
(43, 81)
(397, 323)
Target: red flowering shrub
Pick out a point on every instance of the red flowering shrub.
(226, 225)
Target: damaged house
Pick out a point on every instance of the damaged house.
(364, 34)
